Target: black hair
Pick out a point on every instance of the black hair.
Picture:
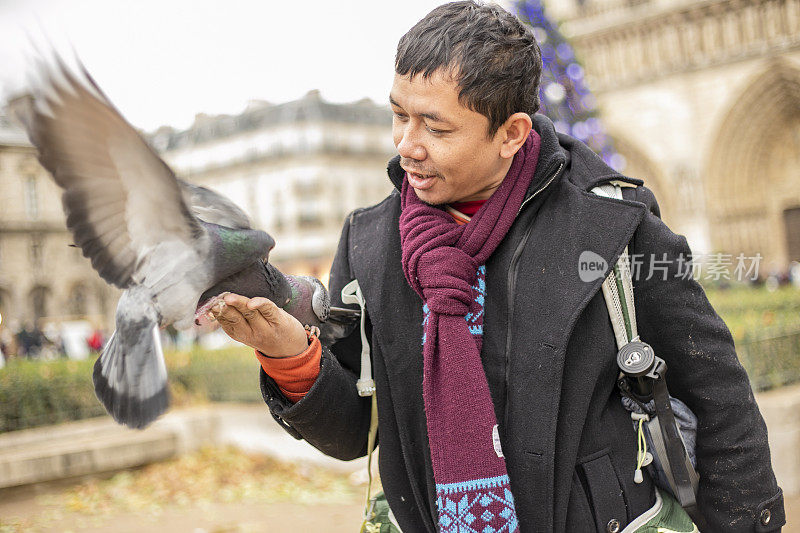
(492, 56)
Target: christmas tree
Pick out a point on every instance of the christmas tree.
(565, 97)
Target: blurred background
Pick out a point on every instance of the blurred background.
(283, 108)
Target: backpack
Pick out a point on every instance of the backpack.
(666, 427)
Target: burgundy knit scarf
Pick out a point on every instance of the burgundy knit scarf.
(443, 262)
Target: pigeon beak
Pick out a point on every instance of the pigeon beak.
(201, 314)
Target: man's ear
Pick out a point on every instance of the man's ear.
(515, 132)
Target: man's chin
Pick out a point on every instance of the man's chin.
(429, 197)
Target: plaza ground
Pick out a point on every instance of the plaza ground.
(37, 509)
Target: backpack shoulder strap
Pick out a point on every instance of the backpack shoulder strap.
(618, 287)
(351, 294)
(618, 293)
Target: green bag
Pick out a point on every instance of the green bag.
(380, 519)
(666, 516)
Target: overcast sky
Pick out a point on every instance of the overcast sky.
(161, 62)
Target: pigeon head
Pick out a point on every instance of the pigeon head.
(258, 279)
(233, 250)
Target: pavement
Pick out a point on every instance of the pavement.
(99, 445)
(43, 459)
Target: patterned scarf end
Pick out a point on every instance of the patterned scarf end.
(477, 506)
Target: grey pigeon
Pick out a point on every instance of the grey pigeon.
(303, 297)
(164, 241)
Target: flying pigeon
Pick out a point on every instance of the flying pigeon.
(169, 244)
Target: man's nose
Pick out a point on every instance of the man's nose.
(410, 146)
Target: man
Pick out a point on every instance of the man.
(508, 419)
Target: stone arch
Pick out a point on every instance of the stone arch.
(753, 169)
(39, 298)
(639, 165)
(78, 299)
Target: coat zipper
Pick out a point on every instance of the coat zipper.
(540, 189)
(512, 281)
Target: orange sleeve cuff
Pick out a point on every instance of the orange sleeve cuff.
(294, 375)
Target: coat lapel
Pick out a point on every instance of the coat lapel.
(575, 241)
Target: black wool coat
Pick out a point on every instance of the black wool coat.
(549, 356)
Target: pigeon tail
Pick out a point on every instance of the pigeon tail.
(130, 377)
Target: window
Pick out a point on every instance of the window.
(307, 186)
(77, 299)
(38, 298)
(102, 299)
(309, 219)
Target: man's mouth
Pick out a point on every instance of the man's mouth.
(421, 181)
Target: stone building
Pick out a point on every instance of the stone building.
(296, 168)
(42, 278)
(702, 98)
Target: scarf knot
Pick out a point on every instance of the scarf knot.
(446, 276)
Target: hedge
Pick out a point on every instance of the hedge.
(36, 393)
(765, 326)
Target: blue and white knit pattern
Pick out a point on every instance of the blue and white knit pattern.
(475, 317)
(476, 506)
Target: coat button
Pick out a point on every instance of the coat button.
(766, 516)
(613, 526)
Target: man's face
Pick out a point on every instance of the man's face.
(443, 145)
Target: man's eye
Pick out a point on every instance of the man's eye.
(400, 116)
(435, 131)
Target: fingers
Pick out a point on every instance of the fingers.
(261, 324)
(240, 304)
(230, 318)
(265, 307)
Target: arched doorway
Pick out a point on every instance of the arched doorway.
(753, 172)
(39, 300)
(78, 299)
(791, 223)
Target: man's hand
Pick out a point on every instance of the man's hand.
(260, 324)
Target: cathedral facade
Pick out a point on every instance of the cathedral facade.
(702, 98)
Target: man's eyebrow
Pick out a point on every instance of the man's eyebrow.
(430, 115)
(434, 117)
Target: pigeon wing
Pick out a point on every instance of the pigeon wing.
(212, 207)
(120, 198)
